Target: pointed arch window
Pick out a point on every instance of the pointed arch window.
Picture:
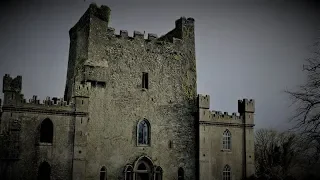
(226, 174)
(180, 174)
(226, 141)
(158, 173)
(143, 134)
(46, 131)
(103, 173)
(128, 172)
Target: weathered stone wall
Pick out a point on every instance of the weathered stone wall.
(30, 153)
(22, 152)
(213, 157)
(115, 108)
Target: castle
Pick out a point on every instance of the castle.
(130, 111)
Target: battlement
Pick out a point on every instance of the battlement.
(225, 115)
(55, 101)
(183, 21)
(136, 35)
(102, 12)
(11, 84)
(141, 37)
(246, 105)
(203, 101)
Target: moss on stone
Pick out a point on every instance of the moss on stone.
(177, 57)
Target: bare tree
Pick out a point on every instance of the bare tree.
(307, 101)
(280, 156)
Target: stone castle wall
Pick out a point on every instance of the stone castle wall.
(213, 158)
(95, 124)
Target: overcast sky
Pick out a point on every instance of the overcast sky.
(244, 49)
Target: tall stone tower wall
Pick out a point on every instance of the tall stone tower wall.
(114, 64)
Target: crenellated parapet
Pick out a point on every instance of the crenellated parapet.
(137, 35)
(55, 101)
(207, 116)
(175, 36)
(225, 115)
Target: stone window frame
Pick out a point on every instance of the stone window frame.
(180, 173)
(41, 135)
(102, 171)
(128, 172)
(148, 133)
(158, 173)
(226, 140)
(145, 81)
(226, 172)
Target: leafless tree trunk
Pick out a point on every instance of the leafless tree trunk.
(307, 100)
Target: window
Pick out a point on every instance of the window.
(226, 174)
(143, 132)
(46, 131)
(226, 141)
(145, 80)
(180, 174)
(128, 173)
(158, 173)
(103, 173)
(44, 171)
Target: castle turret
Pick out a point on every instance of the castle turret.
(246, 108)
(93, 24)
(11, 89)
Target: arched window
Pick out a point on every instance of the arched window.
(103, 173)
(128, 172)
(46, 131)
(226, 141)
(44, 171)
(158, 173)
(226, 174)
(143, 132)
(180, 174)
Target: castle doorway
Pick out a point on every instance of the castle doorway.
(44, 171)
(144, 169)
(143, 176)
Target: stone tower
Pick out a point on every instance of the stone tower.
(133, 79)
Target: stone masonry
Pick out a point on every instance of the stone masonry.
(114, 83)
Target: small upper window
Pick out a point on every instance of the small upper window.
(143, 132)
(226, 141)
(226, 174)
(145, 80)
(103, 173)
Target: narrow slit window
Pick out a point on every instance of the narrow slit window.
(145, 80)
